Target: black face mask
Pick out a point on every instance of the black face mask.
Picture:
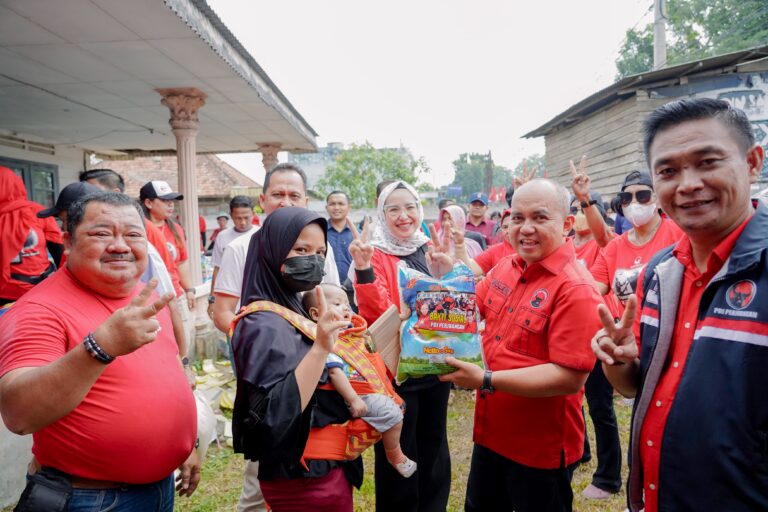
(303, 273)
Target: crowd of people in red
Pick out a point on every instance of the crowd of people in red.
(571, 302)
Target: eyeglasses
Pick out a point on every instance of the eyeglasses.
(574, 210)
(642, 197)
(395, 210)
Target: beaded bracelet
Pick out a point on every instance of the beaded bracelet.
(95, 350)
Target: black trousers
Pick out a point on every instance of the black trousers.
(600, 401)
(424, 439)
(499, 484)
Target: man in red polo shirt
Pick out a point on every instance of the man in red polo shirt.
(699, 423)
(539, 311)
(90, 367)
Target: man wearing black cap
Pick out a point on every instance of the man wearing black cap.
(67, 196)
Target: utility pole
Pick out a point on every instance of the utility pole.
(659, 34)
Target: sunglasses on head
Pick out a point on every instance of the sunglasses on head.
(642, 197)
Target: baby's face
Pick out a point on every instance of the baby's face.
(337, 302)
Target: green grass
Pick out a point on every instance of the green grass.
(223, 471)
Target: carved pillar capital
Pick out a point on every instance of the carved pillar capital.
(269, 152)
(183, 102)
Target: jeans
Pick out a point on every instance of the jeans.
(155, 497)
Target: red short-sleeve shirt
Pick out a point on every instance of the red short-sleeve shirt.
(491, 256)
(32, 258)
(542, 313)
(620, 262)
(177, 250)
(138, 422)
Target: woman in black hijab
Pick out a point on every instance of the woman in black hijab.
(279, 368)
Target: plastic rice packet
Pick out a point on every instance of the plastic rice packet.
(443, 322)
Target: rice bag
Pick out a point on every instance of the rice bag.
(443, 322)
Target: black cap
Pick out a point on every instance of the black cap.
(158, 190)
(69, 195)
(637, 178)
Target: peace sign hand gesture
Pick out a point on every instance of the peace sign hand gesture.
(615, 342)
(360, 250)
(439, 260)
(329, 323)
(580, 182)
(525, 177)
(134, 325)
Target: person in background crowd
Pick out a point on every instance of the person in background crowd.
(241, 211)
(483, 263)
(203, 229)
(157, 201)
(285, 185)
(589, 218)
(339, 233)
(440, 205)
(26, 240)
(222, 219)
(452, 222)
(477, 221)
(622, 259)
(620, 224)
(80, 356)
(397, 240)
(496, 219)
(110, 181)
(501, 232)
(279, 368)
(538, 307)
(697, 377)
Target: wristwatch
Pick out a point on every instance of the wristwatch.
(486, 386)
(590, 203)
(211, 299)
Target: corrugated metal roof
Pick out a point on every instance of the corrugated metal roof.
(627, 87)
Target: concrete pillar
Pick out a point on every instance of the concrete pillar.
(184, 104)
(15, 454)
(269, 152)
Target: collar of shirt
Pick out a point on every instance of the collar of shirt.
(684, 252)
(554, 263)
(331, 227)
(469, 222)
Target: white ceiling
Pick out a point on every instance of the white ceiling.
(84, 73)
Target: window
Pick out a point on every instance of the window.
(41, 180)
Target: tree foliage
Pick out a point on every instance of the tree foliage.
(469, 173)
(359, 168)
(535, 161)
(697, 29)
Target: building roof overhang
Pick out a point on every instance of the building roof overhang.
(85, 73)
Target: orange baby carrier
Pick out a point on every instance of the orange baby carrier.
(338, 441)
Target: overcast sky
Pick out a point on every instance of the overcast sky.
(442, 77)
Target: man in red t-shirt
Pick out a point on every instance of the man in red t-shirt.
(89, 366)
(539, 311)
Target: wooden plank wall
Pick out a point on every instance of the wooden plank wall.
(612, 141)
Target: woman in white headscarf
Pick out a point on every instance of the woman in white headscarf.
(397, 240)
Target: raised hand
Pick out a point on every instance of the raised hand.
(134, 325)
(580, 182)
(360, 250)
(615, 342)
(439, 260)
(329, 323)
(525, 176)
